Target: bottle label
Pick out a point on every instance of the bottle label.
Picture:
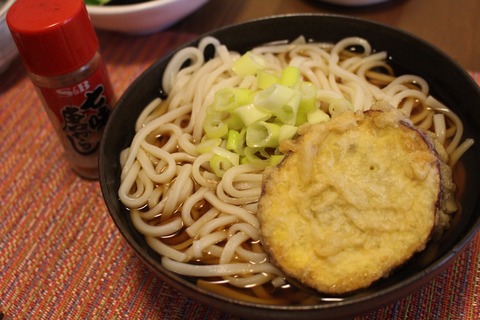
(81, 112)
(82, 122)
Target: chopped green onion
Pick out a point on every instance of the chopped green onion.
(248, 64)
(233, 157)
(263, 134)
(281, 101)
(290, 76)
(317, 116)
(309, 97)
(308, 102)
(228, 99)
(287, 132)
(207, 145)
(301, 118)
(276, 159)
(257, 156)
(232, 140)
(245, 126)
(219, 165)
(236, 141)
(233, 121)
(266, 79)
(243, 159)
(214, 125)
(222, 160)
(250, 113)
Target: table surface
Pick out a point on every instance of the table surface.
(61, 257)
(451, 25)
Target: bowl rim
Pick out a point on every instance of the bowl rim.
(391, 293)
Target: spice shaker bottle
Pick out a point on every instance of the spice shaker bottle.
(60, 51)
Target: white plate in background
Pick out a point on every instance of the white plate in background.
(8, 50)
(142, 18)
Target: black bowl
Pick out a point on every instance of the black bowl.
(448, 82)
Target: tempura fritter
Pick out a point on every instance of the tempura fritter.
(354, 198)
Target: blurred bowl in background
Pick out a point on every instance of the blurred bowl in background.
(8, 50)
(144, 17)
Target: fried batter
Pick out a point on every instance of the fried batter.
(354, 198)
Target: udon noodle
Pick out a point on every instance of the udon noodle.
(204, 226)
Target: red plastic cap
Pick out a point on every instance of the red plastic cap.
(53, 37)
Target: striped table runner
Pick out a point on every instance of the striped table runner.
(61, 256)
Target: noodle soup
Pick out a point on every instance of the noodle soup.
(194, 198)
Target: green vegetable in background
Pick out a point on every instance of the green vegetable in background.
(96, 2)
